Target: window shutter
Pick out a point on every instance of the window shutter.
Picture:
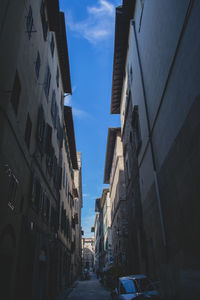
(48, 137)
(47, 81)
(54, 169)
(16, 91)
(33, 188)
(43, 20)
(37, 195)
(42, 201)
(41, 130)
(57, 120)
(53, 108)
(47, 208)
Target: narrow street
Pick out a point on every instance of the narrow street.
(89, 290)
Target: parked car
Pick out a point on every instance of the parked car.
(137, 287)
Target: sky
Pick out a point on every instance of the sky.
(90, 34)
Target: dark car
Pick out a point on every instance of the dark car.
(135, 287)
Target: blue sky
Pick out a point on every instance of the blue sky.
(90, 34)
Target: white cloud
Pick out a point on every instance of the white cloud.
(104, 8)
(79, 113)
(86, 195)
(99, 24)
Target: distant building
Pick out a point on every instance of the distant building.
(88, 253)
(78, 204)
(107, 238)
(96, 242)
(114, 175)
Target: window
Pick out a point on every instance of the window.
(36, 193)
(37, 65)
(22, 204)
(57, 118)
(16, 91)
(59, 133)
(41, 129)
(64, 176)
(49, 160)
(66, 186)
(52, 45)
(12, 190)
(127, 163)
(131, 74)
(45, 207)
(57, 77)
(48, 136)
(130, 138)
(53, 108)
(55, 165)
(28, 131)
(54, 219)
(136, 128)
(29, 22)
(62, 100)
(47, 82)
(43, 20)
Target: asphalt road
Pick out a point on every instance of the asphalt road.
(89, 290)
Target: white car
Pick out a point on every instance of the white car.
(135, 287)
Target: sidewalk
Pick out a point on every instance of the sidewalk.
(89, 290)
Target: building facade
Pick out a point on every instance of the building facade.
(38, 155)
(97, 238)
(107, 236)
(156, 90)
(114, 175)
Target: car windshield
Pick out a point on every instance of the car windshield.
(144, 284)
(128, 287)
